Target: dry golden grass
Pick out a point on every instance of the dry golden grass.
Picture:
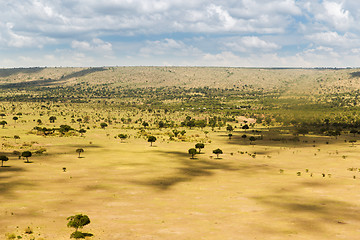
(133, 191)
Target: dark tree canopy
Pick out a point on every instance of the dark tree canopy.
(103, 125)
(78, 221)
(245, 127)
(3, 123)
(122, 136)
(151, 139)
(3, 159)
(26, 154)
(52, 119)
(217, 152)
(199, 146)
(79, 151)
(192, 151)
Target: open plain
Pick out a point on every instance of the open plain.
(298, 178)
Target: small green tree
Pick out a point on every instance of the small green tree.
(3, 123)
(82, 131)
(122, 136)
(52, 119)
(192, 151)
(199, 146)
(103, 125)
(176, 132)
(79, 151)
(245, 127)
(16, 137)
(229, 128)
(26, 154)
(353, 131)
(151, 139)
(78, 221)
(217, 151)
(353, 141)
(15, 118)
(230, 135)
(3, 159)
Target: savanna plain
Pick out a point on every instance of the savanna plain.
(184, 153)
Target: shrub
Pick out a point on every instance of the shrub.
(28, 230)
(77, 234)
(11, 236)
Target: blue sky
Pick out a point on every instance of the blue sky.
(235, 33)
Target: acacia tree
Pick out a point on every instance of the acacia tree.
(122, 136)
(52, 119)
(82, 131)
(353, 141)
(78, 221)
(103, 125)
(3, 123)
(15, 118)
(199, 146)
(245, 127)
(192, 151)
(79, 151)
(151, 139)
(3, 159)
(353, 131)
(16, 137)
(252, 139)
(26, 154)
(229, 128)
(217, 152)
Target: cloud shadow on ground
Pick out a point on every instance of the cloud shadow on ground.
(193, 168)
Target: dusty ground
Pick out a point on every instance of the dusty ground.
(133, 191)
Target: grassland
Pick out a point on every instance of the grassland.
(297, 180)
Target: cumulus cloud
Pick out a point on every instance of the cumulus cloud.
(336, 15)
(95, 45)
(251, 44)
(347, 40)
(196, 31)
(168, 47)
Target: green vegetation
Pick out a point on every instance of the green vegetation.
(78, 221)
(26, 154)
(151, 140)
(217, 151)
(199, 146)
(79, 151)
(3, 159)
(192, 152)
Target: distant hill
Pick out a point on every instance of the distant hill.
(303, 81)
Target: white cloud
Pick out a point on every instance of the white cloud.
(250, 44)
(220, 15)
(331, 15)
(339, 17)
(174, 31)
(95, 45)
(168, 47)
(347, 40)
